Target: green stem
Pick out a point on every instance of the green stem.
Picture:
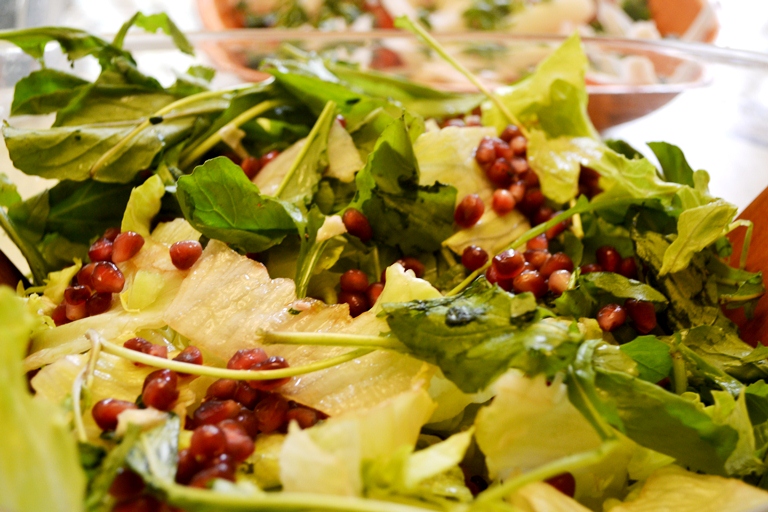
(224, 373)
(417, 29)
(193, 154)
(333, 340)
(115, 150)
(546, 471)
(330, 108)
(679, 374)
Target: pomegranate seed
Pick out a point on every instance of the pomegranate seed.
(106, 278)
(76, 295)
(100, 250)
(111, 233)
(142, 345)
(85, 275)
(143, 503)
(245, 358)
(357, 302)
(126, 246)
(208, 441)
(519, 145)
(98, 303)
(76, 312)
(184, 254)
(509, 133)
(520, 166)
(493, 277)
(643, 315)
(265, 159)
(413, 264)
(271, 413)
(126, 484)
(555, 230)
(222, 389)
(105, 412)
(485, 154)
(503, 202)
(558, 281)
(502, 149)
(540, 243)
(508, 264)
(239, 444)
(251, 167)
(611, 317)
(500, 173)
(517, 190)
(187, 467)
(190, 355)
(628, 268)
(530, 178)
(247, 420)
(59, 315)
(357, 224)
(273, 363)
(536, 258)
(354, 280)
(304, 416)
(373, 292)
(473, 257)
(159, 389)
(564, 482)
(342, 121)
(542, 215)
(530, 281)
(608, 258)
(591, 267)
(558, 261)
(469, 211)
(246, 396)
(215, 411)
(532, 201)
(589, 177)
(204, 477)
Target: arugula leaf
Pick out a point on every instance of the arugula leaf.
(98, 487)
(310, 251)
(652, 357)
(724, 349)
(45, 91)
(9, 195)
(756, 395)
(673, 163)
(110, 103)
(75, 43)
(218, 200)
(596, 289)
(402, 213)
(476, 336)
(152, 23)
(637, 178)
(696, 229)
(622, 147)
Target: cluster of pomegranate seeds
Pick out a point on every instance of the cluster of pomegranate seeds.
(463, 121)
(642, 314)
(357, 224)
(128, 490)
(360, 296)
(252, 165)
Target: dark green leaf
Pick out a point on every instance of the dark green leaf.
(310, 250)
(725, 350)
(597, 289)
(756, 395)
(623, 147)
(75, 43)
(45, 91)
(111, 103)
(737, 287)
(220, 202)
(98, 487)
(9, 195)
(152, 23)
(673, 163)
(90, 458)
(652, 357)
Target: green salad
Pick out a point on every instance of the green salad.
(339, 290)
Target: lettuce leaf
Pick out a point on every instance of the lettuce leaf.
(143, 205)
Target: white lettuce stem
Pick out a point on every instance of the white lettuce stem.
(334, 340)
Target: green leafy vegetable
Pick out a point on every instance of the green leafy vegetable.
(9, 195)
(673, 163)
(596, 289)
(98, 487)
(143, 205)
(652, 357)
(152, 23)
(45, 91)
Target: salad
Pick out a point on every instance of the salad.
(339, 290)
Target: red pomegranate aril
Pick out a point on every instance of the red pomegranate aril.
(493, 277)
(207, 442)
(611, 317)
(530, 281)
(503, 150)
(247, 420)
(222, 389)
(500, 173)
(251, 167)
(558, 281)
(106, 278)
(186, 467)
(540, 243)
(98, 303)
(246, 396)
(536, 257)
(304, 416)
(558, 261)
(105, 412)
(268, 157)
(643, 315)
(143, 503)
(509, 133)
(503, 202)
(413, 264)
(508, 264)
(530, 178)
(357, 302)
(184, 254)
(206, 476)
(485, 154)
(100, 250)
(372, 293)
(273, 363)
(76, 295)
(532, 200)
(190, 355)
(357, 224)
(126, 246)
(542, 215)
(628, 268)
(591, 267)
(245, 358)
(239, 444)
(519, 145)
(555, 230)
(59, 315)
(126, 484)
(473, 257)
(608, 258)
(271, 413)
(342, 121)
(517, 190)
(564, 482)
(76, 311)
(85, 275)
(160, 389)
(353, 280)
(520, 166)
(215, 411)
(111, 233)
